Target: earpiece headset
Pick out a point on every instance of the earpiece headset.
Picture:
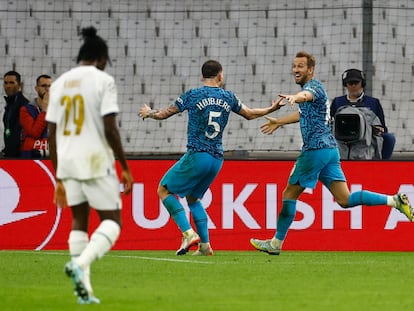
(345, 73)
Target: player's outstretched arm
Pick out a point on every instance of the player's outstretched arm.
(157, 114)
(253, 113)
(274, 123)
(270, 126)
(298, 98)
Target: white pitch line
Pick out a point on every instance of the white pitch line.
(162, 259)
(129, 256)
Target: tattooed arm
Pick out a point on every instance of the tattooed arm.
(157, 114)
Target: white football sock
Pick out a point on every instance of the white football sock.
(78, 240)
(204, 246)
(391, 201)
(100, 243)
(276, 243)
(189, 232)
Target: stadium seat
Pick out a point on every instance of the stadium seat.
(217, 28)
(137, 28)
(186, 47)
(245, 10)
(177, 29)
(20, 25)
(257, 27)
(226, 47)
(63, 29)
(199, 10)
(146, 47)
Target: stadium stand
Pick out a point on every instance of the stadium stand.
(157, 47)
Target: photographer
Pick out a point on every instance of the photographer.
(32, 120)
(354, 82)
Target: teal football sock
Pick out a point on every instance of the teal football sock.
(200, 220)
(177, 212)
(285, 218)
(365, 197)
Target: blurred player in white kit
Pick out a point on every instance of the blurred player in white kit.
(84, 141)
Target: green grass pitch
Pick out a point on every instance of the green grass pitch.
(249, 280)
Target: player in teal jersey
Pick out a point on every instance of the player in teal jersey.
(208, 109)
(319, 159)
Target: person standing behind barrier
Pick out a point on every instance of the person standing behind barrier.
(208, 108)
(319, 158)
(15, 99)
(32, 120)
(83, 139)
(354, 82)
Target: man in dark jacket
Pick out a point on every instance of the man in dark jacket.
(14, 101)
(354, 82)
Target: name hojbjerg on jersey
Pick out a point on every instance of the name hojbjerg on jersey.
(213, 101)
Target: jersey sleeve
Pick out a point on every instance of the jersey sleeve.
(238, 103)
(53, 102)
(180, 102)
(316, 89)
(109, 99)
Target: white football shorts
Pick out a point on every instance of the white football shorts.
(102, 193)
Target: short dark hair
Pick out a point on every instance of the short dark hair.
(211, 69)
(94, 47)
(14, 73)
(311, 62)
(42, 77)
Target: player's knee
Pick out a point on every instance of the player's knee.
(162, 192)
(343, 202)
(191, 200)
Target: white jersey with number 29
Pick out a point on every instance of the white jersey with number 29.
(79, 99)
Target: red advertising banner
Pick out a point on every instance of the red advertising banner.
(242, 203)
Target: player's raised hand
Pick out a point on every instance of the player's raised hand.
(271, 126)
(44, 102)
(291, 99)
(143, 112)
(277, 103)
